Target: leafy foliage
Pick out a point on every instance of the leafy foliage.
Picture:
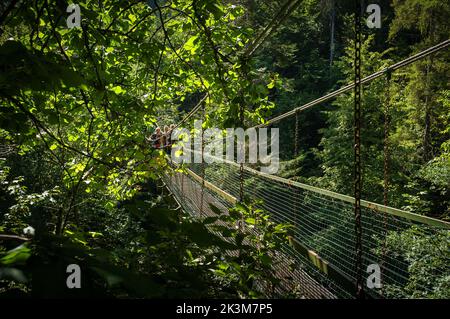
(428, 258)
(77, 105)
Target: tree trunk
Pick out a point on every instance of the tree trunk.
(332, 25)
(59, 222)
(427, 145)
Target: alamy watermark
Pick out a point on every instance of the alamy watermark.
(236, 145)
(374, 278)
(374, 19)
(74, 279)
(74, 19)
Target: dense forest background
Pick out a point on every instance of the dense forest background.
(77, 105)
(311, 61)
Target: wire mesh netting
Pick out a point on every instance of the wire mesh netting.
(323, 225)
(296, 278)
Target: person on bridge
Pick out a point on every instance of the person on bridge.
(168, 144)
(155, 138)
(164, 136)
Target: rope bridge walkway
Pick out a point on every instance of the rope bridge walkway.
(323, 238)
(188, 192)
(335, 239)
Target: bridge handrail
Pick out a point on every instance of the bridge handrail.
(371, 205)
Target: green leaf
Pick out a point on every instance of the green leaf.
(18, 255)
(215, 209)
(118, 89)
(190, 45)
(215, 9)
(266, 259)
(250, 221)
(132, 17)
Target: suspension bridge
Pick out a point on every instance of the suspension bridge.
(334, 238)
(322, 243)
